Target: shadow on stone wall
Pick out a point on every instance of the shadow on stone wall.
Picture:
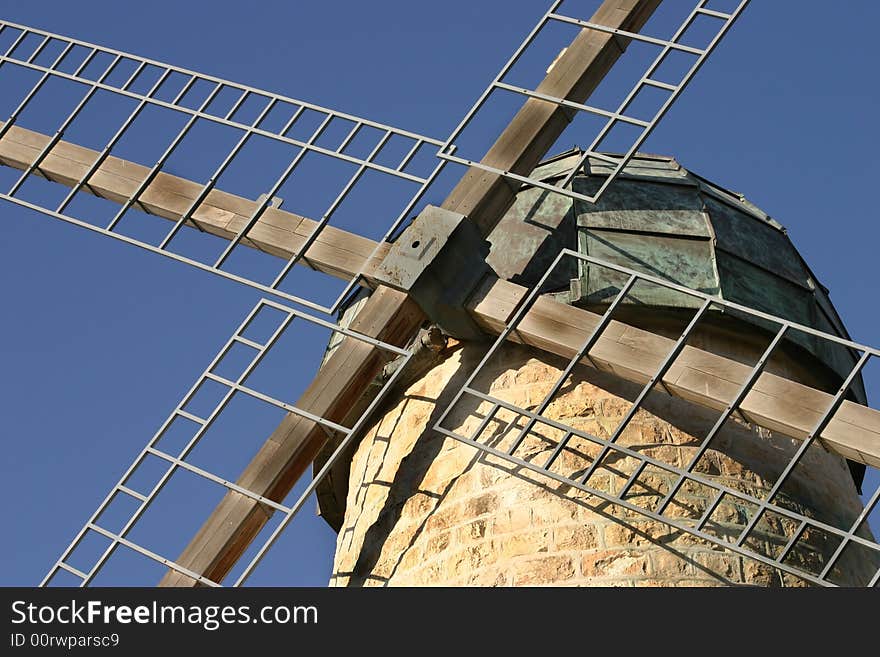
(742, 457)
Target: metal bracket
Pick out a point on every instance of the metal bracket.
(438, 260)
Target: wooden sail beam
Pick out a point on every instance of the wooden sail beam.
(484, 196)
(278, 232)
(390, 316)
(698, 376)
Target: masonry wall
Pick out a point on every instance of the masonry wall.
(424, 509)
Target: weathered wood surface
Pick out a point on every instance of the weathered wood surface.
(696, 375)
(484, 196)
(279, 233)
(388, 315)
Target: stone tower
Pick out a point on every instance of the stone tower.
(413, 507)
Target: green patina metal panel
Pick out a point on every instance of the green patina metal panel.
(752, 286)
(647, 207)
(755, 241)
(530, 236)
(684, 261)
(658, 169)
(745, 283)
(558, 166)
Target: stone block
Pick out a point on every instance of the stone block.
(548, 569)
(473, 531)
(480, 505)
(556, 510)
(756, 573)
(513, 519)
(438, 542)
(411, 559)
(575, 537)
(713, 565)
(488, 577)
(637, 534)
(614, 563)
(673, 564)
(523, 543)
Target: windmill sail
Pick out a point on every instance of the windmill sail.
(659, 80)
(254, 196)
(119, 123)
(509, 435)
(144, 481)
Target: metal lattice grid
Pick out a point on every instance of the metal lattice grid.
(100, 91)
(601, 163)
(501, 429)
(69, 86)
(140, 497)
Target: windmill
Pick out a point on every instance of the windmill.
(512, 321)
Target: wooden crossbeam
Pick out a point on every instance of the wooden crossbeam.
(278, 232)
(698, 376)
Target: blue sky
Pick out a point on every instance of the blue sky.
(100, 340)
